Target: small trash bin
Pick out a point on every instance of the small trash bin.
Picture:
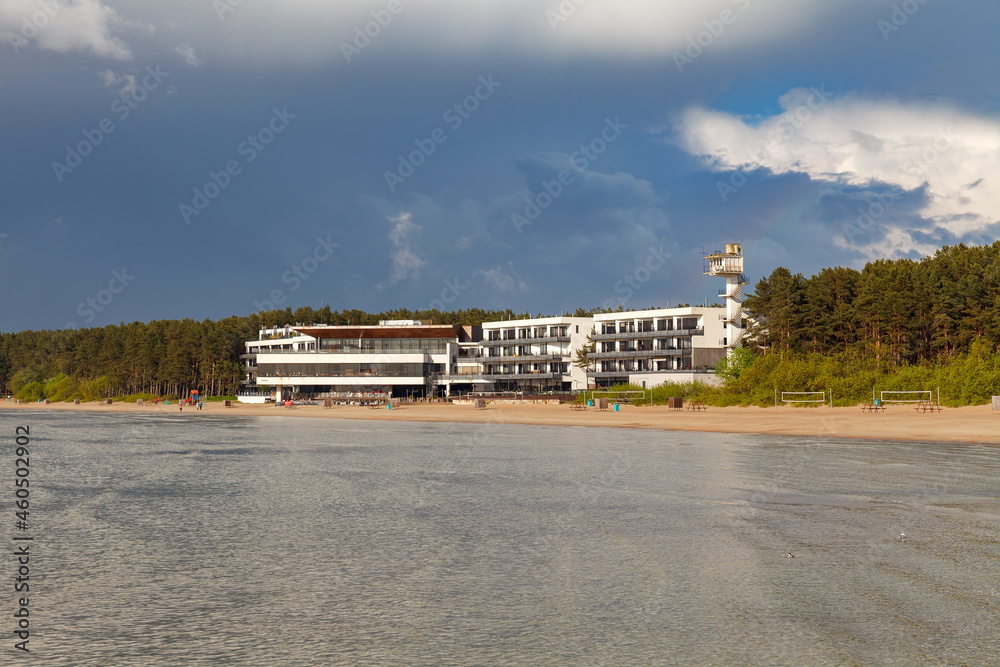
(616, 407)
(590, 403)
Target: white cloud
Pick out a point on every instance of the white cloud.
(189, 55)
(122, 82)
(79, 26)
(500, 281)
(405, 261)
(310, 30)
(859, 141)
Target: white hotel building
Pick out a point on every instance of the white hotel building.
(395, 358)
(534, 355)
(650, 347)
(401, 358)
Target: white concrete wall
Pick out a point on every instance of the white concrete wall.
(576, 327)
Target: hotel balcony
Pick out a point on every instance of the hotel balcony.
(520, 358)
(666, 333)
(526, 341)
(634, 354)
(522, 376)
(673, 371)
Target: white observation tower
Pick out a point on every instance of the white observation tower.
(729, 265)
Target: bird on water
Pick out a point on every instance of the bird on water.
(789, 555)
(902, 536)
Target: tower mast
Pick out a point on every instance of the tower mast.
(729, 265)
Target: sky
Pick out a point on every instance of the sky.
(208, 158)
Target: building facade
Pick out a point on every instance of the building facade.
(537, 355)
(534, 355)
(394, 358)
(650, 347)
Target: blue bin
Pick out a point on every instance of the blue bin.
(616, 407)
(590, 404)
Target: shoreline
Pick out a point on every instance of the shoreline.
(973, 424)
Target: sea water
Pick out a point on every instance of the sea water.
(164, 539)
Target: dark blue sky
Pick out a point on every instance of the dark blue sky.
(814, 133)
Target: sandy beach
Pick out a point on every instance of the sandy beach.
(900, 422)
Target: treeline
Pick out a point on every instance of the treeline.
(168, 357)
(901, 311)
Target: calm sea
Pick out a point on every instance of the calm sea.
(189, 539)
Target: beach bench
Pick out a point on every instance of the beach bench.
(872, 407)
(696, 406)
(928, 406)
(578, 406)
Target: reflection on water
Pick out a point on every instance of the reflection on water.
(190, 539)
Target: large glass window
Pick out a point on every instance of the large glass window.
(347, 370)
(384, 345)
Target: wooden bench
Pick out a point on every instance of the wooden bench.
(695, 406)
(928, 406)
(872, 407)
(578, 406)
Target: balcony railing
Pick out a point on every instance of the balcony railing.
(607, 374)
(668, 333)
(635, 354)
(517, 358)
(526, 341)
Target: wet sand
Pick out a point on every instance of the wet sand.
(900, 422)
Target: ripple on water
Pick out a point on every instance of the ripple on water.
(257, 541)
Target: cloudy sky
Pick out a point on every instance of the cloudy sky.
(205, 158)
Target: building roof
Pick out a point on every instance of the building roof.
(421, 331)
